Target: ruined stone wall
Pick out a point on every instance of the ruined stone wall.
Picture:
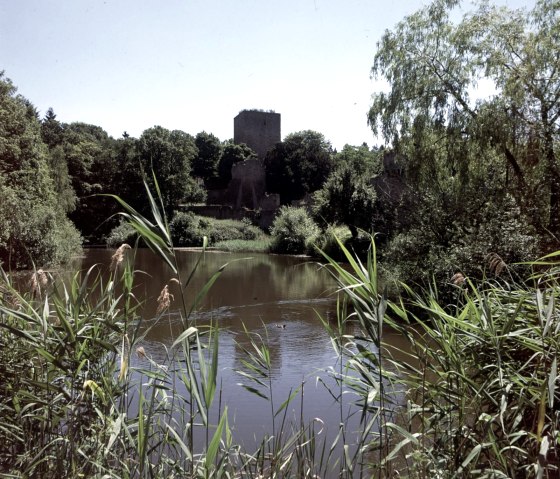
(259, 130)
(245, 196)
(247, 185)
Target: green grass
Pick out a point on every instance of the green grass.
(261, 245)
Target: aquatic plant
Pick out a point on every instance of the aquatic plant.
(476, 393)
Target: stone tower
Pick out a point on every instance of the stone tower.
(259, 130)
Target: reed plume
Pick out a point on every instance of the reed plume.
(164, 299)
(496, 264)
(458, 279)
(118, 257)
(38, 280)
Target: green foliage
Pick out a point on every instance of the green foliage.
(205, 163)
(34, 224)
(224, 230)
(232, 154)
(348, 195)
(328, 240)
(58, 361)
(123, 233)
(507, 140)
(298, 165)
(188, 229)
(61, 178)
(260, 245)
(169, 155)
(440, 244)
(479, 383)
(293, 231)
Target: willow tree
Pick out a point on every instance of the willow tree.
(473, 105)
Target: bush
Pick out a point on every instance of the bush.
(293, 231)
(498, 232)
(327, 241)
(187, 229)
(123, 233)
(226, 230)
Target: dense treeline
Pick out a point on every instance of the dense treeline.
(54, 177)
(33, 222)
(460, 181)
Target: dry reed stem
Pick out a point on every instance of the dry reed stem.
(118, 257)
(125, 349)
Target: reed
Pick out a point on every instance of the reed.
(476, 394)
(479, 387)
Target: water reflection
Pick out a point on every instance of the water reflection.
(276, 297)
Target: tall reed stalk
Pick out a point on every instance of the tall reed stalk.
(479, 386)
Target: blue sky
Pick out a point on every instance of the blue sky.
(194, 64)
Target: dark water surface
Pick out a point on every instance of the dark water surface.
(278, 297)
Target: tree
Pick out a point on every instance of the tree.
(169, 155)
(348, 195)
(510, 139)
(298, 165)
(205, 163)
(51, 130)
(34, 227)
(232, 154)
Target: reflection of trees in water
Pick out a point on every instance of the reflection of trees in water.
(261, 291)
(247, 279)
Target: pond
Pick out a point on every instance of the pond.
(277, 297)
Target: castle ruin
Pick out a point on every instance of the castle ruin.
(259, 130)
(245, 195)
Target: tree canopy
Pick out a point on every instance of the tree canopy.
(348, 195)
(205, 163)
(169, 155)
(34, 227)
(432, 114)
(298, 165)
(471, 111)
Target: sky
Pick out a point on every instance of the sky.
(193, 65)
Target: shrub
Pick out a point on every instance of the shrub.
(226, 230)
(418, 256)
(187, 229)
(123, 233)
(293, 231)
(327, 241)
